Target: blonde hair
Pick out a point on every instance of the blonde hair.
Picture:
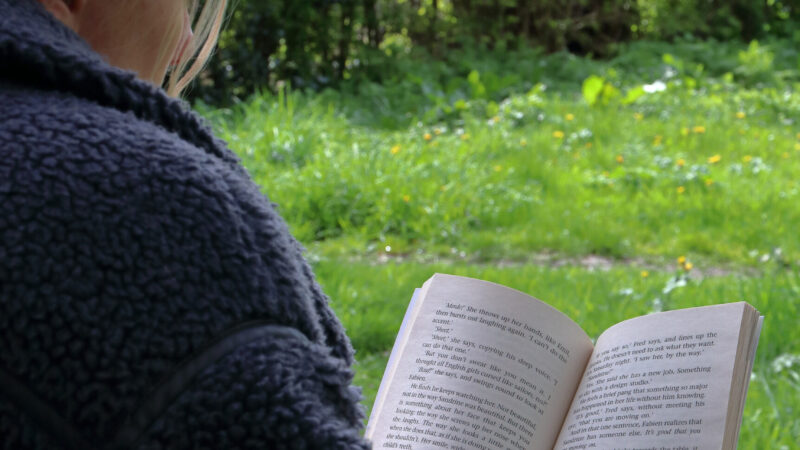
(207, 22)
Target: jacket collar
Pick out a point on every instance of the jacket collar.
(39, 51)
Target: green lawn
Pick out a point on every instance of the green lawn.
(514, 169)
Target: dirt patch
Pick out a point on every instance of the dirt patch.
(588, 262)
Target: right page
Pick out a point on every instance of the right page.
(664, 381)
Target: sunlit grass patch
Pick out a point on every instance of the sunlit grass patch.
(666, 170)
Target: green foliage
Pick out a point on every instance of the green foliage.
(306, 44)
(316, 44)
(597, 89)
(581, 26)
(756, 63)
(718, 19)
(592, 87)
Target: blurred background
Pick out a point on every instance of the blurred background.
(612, 158)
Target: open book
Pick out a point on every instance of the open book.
(480, 366)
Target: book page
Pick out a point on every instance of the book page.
(481, 367)
(658, 381)
(391, 364)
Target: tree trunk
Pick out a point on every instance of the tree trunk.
(371, 19)
(524, 11)
(432, 30)
(346, 31)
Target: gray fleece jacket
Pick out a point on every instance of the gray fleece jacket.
(150, 295)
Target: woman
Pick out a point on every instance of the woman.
(150, 296)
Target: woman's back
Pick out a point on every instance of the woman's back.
(150, 296)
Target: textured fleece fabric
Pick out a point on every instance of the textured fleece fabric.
(150, 295)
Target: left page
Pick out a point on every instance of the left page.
(478, 366)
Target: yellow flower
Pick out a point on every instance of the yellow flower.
(709, 182)
(498, 168)
(747, 158)
(785, 155)
(465, 137)
(797, 146)
(684, 131)
(681, 189)
(657, 139)
(680, 162)
(620, 159)
(406, 198)
(496, 119)
(741, 115)
(714, 159)
(588, 145)
(688, 266)
(699, 129)
(681, 260)
(523, 142)
(558, 134)
(645, 274)
(570, 117)
(638, 116)
(427, 136)
(437, 131)
(395, 149)
(798, 135)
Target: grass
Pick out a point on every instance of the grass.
(708, 170)
(504, 166)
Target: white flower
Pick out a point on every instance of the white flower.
(658, 306)
(657, 86)
(674, 283)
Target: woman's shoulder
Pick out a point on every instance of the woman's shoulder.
(42, 120)
(114, 172)
(58, 138)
